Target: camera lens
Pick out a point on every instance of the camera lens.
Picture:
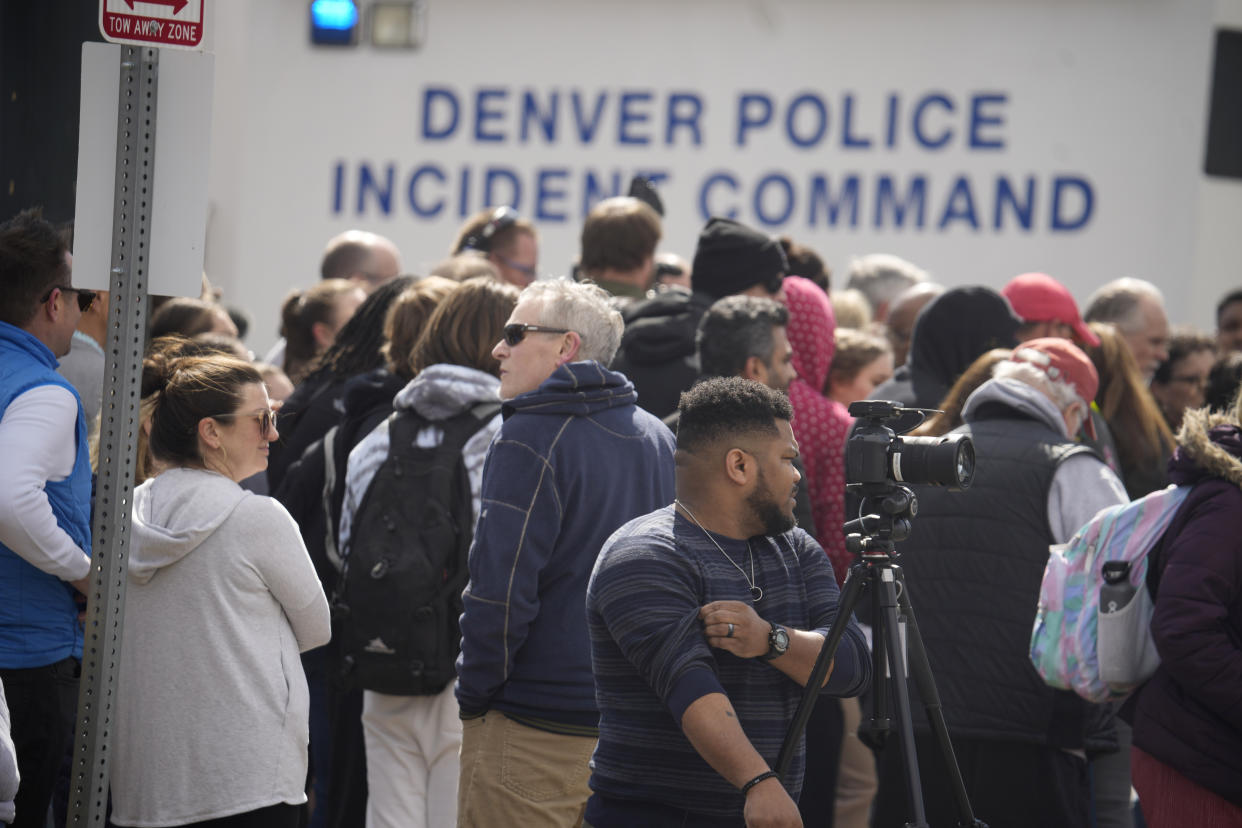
(935, 461)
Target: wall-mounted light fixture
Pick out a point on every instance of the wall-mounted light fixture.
(398, 25)
(334, 22)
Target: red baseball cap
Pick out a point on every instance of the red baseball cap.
(1037, 297)
(1062, 360)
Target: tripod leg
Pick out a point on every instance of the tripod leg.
(886, 624)
(920, 669)
(879, 726)
(845, 609)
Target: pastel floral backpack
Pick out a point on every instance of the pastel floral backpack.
(1102, 656)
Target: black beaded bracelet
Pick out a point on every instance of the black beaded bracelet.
(768, 774)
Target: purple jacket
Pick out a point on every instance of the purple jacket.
(1189, 715)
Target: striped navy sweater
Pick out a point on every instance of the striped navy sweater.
(651, 659)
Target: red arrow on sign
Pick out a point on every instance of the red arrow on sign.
(177, 5)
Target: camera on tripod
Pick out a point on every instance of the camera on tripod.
(879, 463)
(878, 458)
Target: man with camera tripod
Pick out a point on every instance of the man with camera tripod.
(706, 618)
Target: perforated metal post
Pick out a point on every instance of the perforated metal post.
(118, 433)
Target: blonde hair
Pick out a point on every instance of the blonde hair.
(850, 308)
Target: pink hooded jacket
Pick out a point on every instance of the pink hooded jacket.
(820, 425)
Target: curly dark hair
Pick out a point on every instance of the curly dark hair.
(728, 407)
(359, 345)
(1182, 343)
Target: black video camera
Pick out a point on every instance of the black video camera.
(878, 458)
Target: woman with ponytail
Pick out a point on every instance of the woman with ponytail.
(310, 320)
(212, 707)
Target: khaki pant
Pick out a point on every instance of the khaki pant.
(512, 774)
(857, 781)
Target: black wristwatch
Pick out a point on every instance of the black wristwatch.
(778, 642)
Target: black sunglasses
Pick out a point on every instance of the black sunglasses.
(515, 332)
(86, 298)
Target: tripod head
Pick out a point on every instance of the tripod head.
(876, 534)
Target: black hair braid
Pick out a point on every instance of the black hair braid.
(357, 347)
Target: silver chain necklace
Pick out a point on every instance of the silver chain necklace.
(756, 593)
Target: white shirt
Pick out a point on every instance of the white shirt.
(37, 446)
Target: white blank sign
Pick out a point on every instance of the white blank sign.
(179, 186)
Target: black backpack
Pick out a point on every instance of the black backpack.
(399, 602)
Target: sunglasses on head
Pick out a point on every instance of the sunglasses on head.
(515, 332)
(502, 219)
(86, 298)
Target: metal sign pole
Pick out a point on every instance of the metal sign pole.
(118, 432)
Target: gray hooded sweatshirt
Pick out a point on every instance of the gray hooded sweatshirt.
(1082, 485)
(212, 705)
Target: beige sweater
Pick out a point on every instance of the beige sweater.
(212, 706)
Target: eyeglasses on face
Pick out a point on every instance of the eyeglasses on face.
(528, 270)
(515, 332)
(266, 419)
(86, 298)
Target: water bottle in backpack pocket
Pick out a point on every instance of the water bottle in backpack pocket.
(1127, 654)
(1091, 635)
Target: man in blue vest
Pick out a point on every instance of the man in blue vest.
(44, 504)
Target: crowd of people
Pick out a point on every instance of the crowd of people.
(479, 548)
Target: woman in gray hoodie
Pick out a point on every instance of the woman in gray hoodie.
(212, 706)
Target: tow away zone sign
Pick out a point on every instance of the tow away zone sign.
(171, 23)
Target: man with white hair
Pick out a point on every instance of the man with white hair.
(1136, 307)
(973, 567)
(574, 460)
(882, 277)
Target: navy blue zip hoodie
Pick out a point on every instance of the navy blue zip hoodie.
(574, 460)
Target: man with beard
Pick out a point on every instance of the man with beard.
(706, 617)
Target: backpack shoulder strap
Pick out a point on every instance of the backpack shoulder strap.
(460, 428)
(328, 496)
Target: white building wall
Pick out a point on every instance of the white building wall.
(1101, 97)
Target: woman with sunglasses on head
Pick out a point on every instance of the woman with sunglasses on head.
(212, 706)
(506, 239)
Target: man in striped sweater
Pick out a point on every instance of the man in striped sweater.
(706, 618)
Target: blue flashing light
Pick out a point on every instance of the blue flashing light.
(334, 22)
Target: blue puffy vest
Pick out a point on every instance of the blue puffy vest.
(38, 616)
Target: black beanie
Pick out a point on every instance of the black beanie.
(731, 257)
